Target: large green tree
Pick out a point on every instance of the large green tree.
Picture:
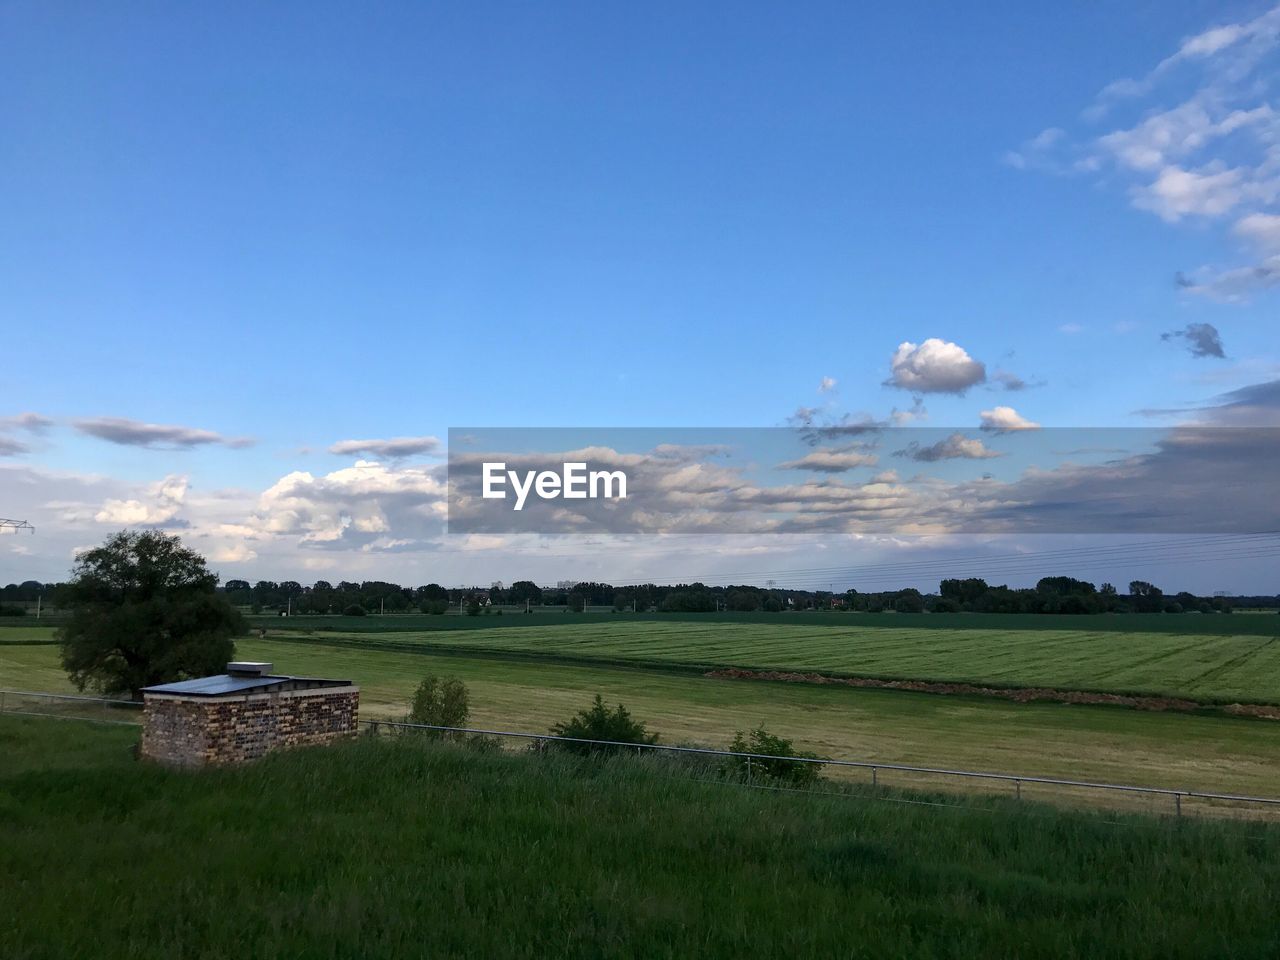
(144, 610)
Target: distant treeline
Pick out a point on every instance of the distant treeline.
(1049, 595)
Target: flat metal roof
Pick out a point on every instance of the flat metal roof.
(224, 684)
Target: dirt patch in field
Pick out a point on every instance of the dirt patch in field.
(1016, 694)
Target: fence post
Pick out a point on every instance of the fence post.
(874, 778)
(1017, 786)
(748, 769)
(1177, 803)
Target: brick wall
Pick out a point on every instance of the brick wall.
(194, 731)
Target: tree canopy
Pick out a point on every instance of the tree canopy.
(144, 610)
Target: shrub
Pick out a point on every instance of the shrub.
(597, 722)
(434, 607)
(440, 702)
(780, 771)
(12, 610)
(353, 610)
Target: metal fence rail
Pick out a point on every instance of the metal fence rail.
(69, 706)
(101, 710)
(875, 767)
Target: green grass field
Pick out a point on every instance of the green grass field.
(1212, 667)
(1202, 752)
(1209, 668)
(1205, 625)
(394, 848)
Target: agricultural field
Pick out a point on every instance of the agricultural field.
(405, 847)
(1175, 750)
(1199, 624)
(1205, 667)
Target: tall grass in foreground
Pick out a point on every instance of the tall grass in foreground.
(406, 847)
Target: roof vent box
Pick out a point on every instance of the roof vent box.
(247, 668)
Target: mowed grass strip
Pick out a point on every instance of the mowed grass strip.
(1211, 668)
(1211, 624)
(392, 848)
(1179, 751)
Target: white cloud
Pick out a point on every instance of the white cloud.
(1237, 284)
(164, 501)
(827, 385)
(1260, 229)
(234, 553)
(1036, 153)
(1071, 329)
(1173, 134)
(1177, 193)
(935, 366)
(1005, 420)
(353, 505)
(1201, 142)
(1211, 41)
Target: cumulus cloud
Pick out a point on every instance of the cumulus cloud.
(135, 433)
(831, 461)
(392, 449)
(1202, 339)
(955, 447)
(164, 501)
(353, 506)
(935, 366)
(827, 385)
(1005, 420)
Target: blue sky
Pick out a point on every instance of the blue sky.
(320, 222)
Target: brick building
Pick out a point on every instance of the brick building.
(243, 714)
